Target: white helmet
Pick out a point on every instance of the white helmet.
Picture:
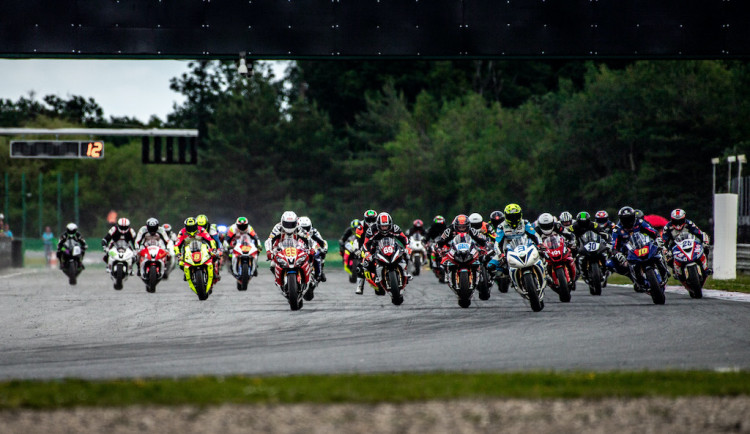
(546, 223)
(72, 228)
(289, 221)
(475, 219)
(305, 225)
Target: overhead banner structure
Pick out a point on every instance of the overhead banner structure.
(725, 236)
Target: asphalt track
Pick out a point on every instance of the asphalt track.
(53, 330)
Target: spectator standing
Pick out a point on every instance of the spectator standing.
(47, 237)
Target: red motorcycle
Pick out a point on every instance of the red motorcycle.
(293, 271)
(390, 274)
(561, 268)
(152, 262)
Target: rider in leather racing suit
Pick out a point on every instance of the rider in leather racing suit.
(384, 228)
(71, 233)
(679, 224)
(120, 231)
(435, 230)
(306, 230)
(152, 231)
(514, 226)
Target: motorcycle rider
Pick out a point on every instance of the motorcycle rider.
(71, 233)
(625, 228)
(384, 228)
(602, 219)
(514, 226)
(170, 233)
(120, 231)
(369, 218)
(306, 230)
(193, 232)
(347, 234)
(582, 224)
(461, 225)
(435, 230)
(203, 222)
(285, 228)
(546, 225)
(496, 219)
(679, 224)
(566, 220)
(417, 227)
(241, 227)
(151, 231)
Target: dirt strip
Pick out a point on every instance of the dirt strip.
(647, 415)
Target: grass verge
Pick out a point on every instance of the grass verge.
(368, 388)
(740, 284)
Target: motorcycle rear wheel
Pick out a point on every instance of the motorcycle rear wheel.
(292, 291)
(694, 282)
(396, 297)
(530, 285)
(595, 276)
(562, 286)
(353, 268)
(483, 286)
(464, 290)
(657, 293)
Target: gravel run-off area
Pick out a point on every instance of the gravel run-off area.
(641, 415)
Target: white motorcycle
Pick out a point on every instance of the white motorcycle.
(244, 260)
(171, 260)
(527, 271)
(418, 252)
(121, 261)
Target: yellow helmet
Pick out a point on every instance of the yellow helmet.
(513, 215)
(191, 227)
(202, 221)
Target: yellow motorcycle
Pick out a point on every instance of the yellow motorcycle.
(199, 268)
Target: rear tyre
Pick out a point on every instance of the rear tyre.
(153, 279)
(353, 269)
(72, 272)
(483, 286)
(464, 289)
(530, 285)
(292, 291)
(595, 274)
(396, 297)
(119, 273)
(244, 277)
(417, 265)
(562, 289)
(694, 282)
(199, 281)
(657, 293)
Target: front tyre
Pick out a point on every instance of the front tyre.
(153, 279)
(657, 293)
(562, 288)
(417, 265)
(292, 291)
(483, 286)
(72, 272)
(530, 285)
(198, 277)
(464, 289)
(694, 282)
(119, 273)
(595, 274)
(244, 276)
(396, 297)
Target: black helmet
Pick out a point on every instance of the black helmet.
(602, 217)
(370, 216)
(461, 223)
(152, 225)
(497, 218)
(627, 217)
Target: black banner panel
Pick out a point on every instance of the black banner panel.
(292, 29)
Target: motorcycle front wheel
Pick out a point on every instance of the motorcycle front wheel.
(119, 273)
(483, 286)
(199, 282)
(562, 289)
(396, 297)
(530, 285)
(694, 282)
(244, 276)
(595, 274)
(72, 272)
(657, 293)
(153, 279)
(464, 289)
(417, 265)
(292, 291)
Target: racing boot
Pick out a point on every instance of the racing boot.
(360, 286)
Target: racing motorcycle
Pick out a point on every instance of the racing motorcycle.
(593, 256)
(389, 276)
(527, 271)
(121, 262)
(199, 268)
(436, 258)
(293, 271)
(153, 263)
(643, 254)
(351, 258)
(70, 257)
(244, 260)
(462, 261)
(690, 263)
(418, 252)
(171, 260)
(560, 266)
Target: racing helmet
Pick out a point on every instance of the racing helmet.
(385, 222)
(476, 221)
(370, 216)
(202, 221)
(583, 217)
(289, 222)
(461, 223)
(354, 224)
(152, 225)
(418, 223)
(566, 219)
(513, 215)
(602, 217)
(638, 214)
(305, 224)
(191, 227)
(222, 229)
(72, 228)
(242, 223)
(439, 220)
(497, 218)
(123, 225)
(678, 217)
(167, 227)
(546, 223)
(627, 217)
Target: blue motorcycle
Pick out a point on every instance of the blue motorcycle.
(643, 258)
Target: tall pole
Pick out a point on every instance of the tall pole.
(40, 205)
(23, 205)
(729, 178)
(59, 204)
(75, 201)
(7, 189)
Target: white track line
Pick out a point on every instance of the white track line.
(708, 293)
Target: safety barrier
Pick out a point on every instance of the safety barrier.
(743, 258)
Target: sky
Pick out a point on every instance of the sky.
(135, 88)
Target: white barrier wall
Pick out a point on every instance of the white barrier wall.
(725, 236)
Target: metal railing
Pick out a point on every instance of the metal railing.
(743, 258)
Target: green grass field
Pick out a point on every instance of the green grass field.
(740, 284)
(368, 388)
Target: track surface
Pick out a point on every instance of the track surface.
(53, 330)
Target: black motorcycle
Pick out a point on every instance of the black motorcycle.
(71, 255)
(592, 259)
